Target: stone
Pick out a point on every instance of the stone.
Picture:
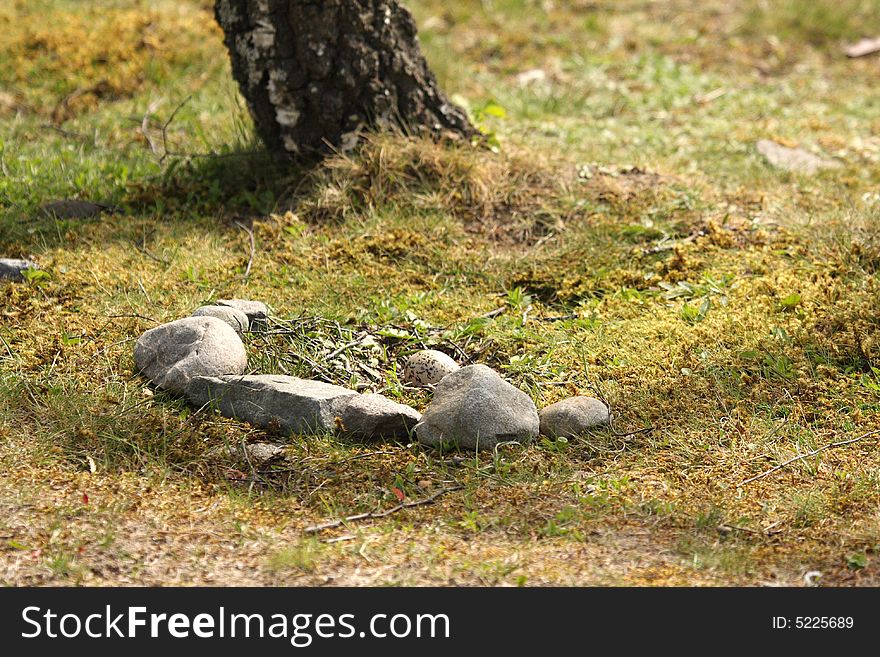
(72, 208)
(232, 316)
(428, 367)
(376, 416)
(793, 159)
(13, 268)
(531, 76)
(573, 416)
(172, 354)
(300, 406)
(256, 311)
(259, 453)
(863, 47)
(272, 401)
(474, 407)
(253, 453)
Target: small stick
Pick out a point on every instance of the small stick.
(808, 455)
(167, 123)
(6, 344)
(558, 318)
(151, 256)
(626, 434)
(614, 431)
(133, 316)
(494, 313)
(349, 345)
(145, 125)
(315, 529)
(366, 455)
(250, 232)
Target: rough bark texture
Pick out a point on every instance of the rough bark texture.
(316, 73)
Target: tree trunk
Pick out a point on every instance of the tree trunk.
(316, 73)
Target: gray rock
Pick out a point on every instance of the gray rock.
(172, 354)
(252, 453)
(232, 316)
(72, 208)
(793, 159)
(376, 416)
(271, 401)
(12, 268)
(300, 406)
(256, 311)
(258, 453)
(475, 408)
(573, 416)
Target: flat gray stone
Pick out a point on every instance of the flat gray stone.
(12, 268)
(474, 407)
(72, 208)
(272, 401)
(376, 416)
(793, 159)
(172, 354)
(232, 316)
(573, 416)
(256, 311)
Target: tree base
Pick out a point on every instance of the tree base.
(317, 74)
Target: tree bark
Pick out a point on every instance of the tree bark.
(317, 73)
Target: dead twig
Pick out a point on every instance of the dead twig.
(494, 313)
(6, 344)
(333, 354)
(614, 431)
(818, 450)
(165, 151)
(372, 515)
(558, 318)
(133, 316)
(151, 256)
(366, 455)
(253, 247)
(141, 246)
(66, 133)
(626, 434)
(145, 125)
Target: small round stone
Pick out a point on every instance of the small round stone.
(232, 316)
(573, 416)
(428, 367)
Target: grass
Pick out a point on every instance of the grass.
(639, 248)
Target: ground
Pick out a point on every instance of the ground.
(637, 245)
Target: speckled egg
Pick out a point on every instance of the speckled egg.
(427, 367)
